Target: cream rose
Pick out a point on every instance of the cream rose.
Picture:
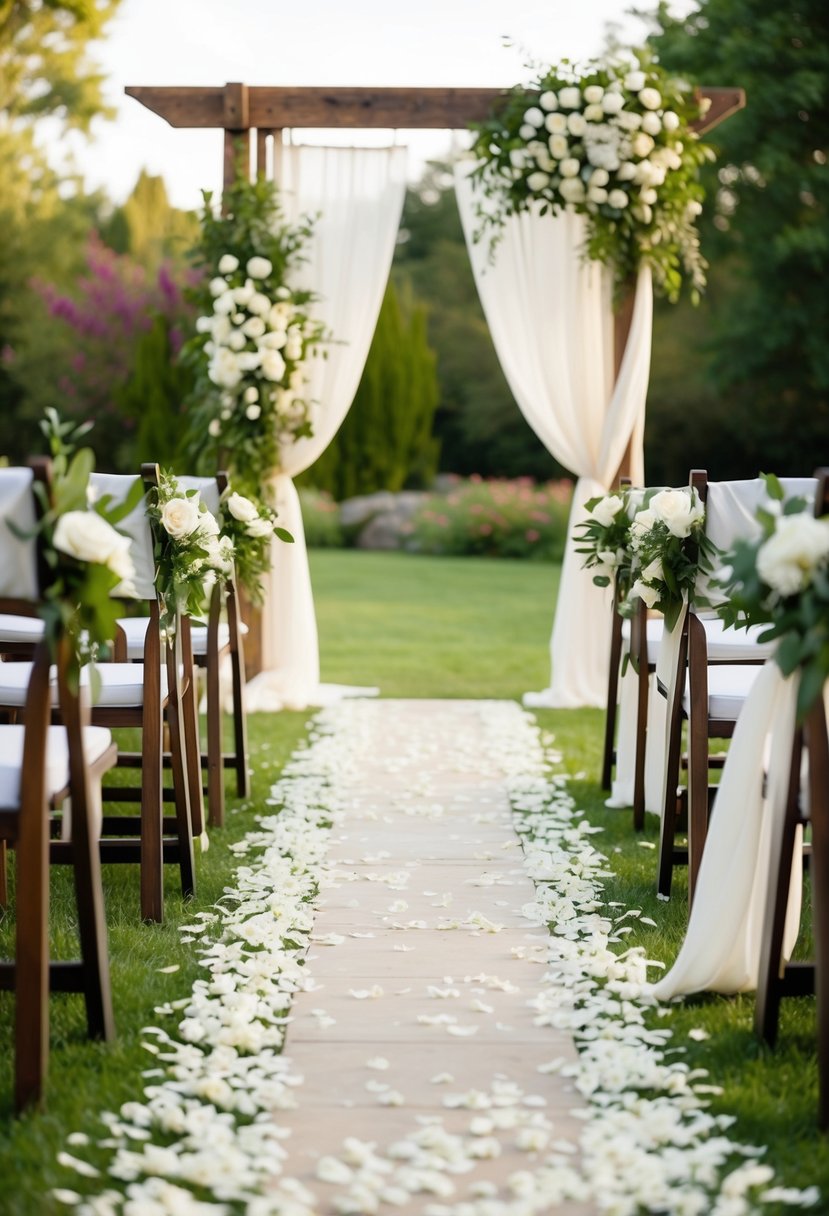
(641, 525)
(259, 268)
(241, 508)
(228, 263)
(181, 517)
(641, 591)
(258, 528)
(86, 536)
(678, 510)
(606, 510)
(787, 560)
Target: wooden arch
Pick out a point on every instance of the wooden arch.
(250, 114)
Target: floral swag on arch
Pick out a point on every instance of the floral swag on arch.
(581, 190)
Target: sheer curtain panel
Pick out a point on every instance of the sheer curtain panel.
(550, 313)
(357, 195)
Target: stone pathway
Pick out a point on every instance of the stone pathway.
(416, 1034)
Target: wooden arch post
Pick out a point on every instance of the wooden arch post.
(241, 110)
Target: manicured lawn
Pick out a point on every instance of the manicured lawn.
(415, 626)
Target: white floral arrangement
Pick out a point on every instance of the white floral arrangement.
(614, 142)
(669, 550)
(250, 525)
(190, 550)
(254, 338)
(782, 580)
(604, 539)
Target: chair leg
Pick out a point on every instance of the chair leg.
(181, 789)
(770, 976)
(32, 962)
(190, 727)
(4, 882)
(215, 757)
(670, 811)
(152, 813)
(92, 925)
(639, 642)
(240, 725)
(612, 698)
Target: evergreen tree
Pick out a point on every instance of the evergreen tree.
(386, 442)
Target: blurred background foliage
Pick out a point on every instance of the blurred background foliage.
(93, 299)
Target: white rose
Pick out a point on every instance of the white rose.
(293, 349)
(274, 341)
(228, 263)
(599, 177)
(214, 428)
(606, 510)
(648, 197)
(280, 315)
(643, 213)
(242, 508)
(181, 516)
(641, 591)
(254, 327)
(651, 99)
(594, 114)
(548, 101)
(787, 560)
(641, 525)
(576, 124)
(559, 147)
(518, 158)
(569, 167)
(628, 121)
(249, 360)
(218, 287)
(224, 368)
(226, 554)
(635, 81)
(208, 525)
(252, 412)
(612, 103)
(527, 132)
(597, 194)
(236, 340)
(273, 365)
(626, 171)
(538, 181)
(556, 124)
(259, 527)
(651, 123)
(86, 536)
(259, 303)
(259, 268)
(617, 199)
(534, 116)
(593, 93)
(654, 572)
(570, 98)
(204, 325)
(678, 510)
(641, 144)
(572, 190)
(250, 395)
(670, 120)
(224, 304)
(243, 295)
(220, 329)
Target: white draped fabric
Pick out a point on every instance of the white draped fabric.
(358, 196)
(721, 951)
(550, 313)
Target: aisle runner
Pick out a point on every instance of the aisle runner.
(429, 1065)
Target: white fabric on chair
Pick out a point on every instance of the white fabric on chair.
(207, 488)
(358, 193)
(18, 562)
(135, 631)
(550, 313)
(136, 526)
(121, 684)
(721, 951)
(96, 739)
(23, 629)
(728, 687)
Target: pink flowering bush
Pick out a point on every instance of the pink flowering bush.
(493, 518)
(320, 519)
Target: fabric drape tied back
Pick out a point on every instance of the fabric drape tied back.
(357, 196)
(550, 313)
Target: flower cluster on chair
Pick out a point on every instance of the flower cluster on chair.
(781, 579)
(615, 143)
(250, 525)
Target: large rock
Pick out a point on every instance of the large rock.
(383, 530)
(357, 511)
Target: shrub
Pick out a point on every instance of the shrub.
(321, 519)
(494, 519)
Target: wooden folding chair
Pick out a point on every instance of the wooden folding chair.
(211, 642)
(715, 669)
(40, 765)
(778, 978)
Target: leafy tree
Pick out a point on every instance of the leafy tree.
(386, 442)
(762, 352)
(148, 227)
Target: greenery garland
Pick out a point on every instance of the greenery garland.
(613, 142)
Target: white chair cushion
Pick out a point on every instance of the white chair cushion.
(656, 628)
(732, 645)
(122, 684)
(20, 629)
(96, 739)
(728, 688)
(135, 630)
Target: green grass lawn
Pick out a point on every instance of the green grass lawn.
(414, 626)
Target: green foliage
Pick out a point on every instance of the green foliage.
(152, 399)
(762, 354)
(148, 227)
(603, 538)
(615, 145)
(250, 526)
(494, 519)
(386, 441)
